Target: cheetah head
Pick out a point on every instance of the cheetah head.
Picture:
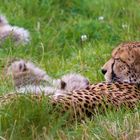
(124, 65)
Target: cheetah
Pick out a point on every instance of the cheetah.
(120, 89)
(29, 78)
(124, 64)
(18, 35)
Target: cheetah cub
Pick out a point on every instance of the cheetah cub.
(28, 78)
(18, 35)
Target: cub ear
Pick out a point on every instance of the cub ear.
(63, 84)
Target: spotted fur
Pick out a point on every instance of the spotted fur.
(93, 99)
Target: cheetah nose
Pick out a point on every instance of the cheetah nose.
(104, 71)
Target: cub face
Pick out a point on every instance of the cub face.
(16, 67)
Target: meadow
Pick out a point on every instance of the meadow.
(56, 28)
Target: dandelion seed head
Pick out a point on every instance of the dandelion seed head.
(101, 18)
(84, 37)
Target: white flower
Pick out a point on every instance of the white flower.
(84, 37)
(101, 18)
(124, 26)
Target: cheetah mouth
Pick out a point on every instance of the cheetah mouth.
(116, 79)
(113, 79)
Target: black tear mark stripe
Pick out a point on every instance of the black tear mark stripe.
(112, 72)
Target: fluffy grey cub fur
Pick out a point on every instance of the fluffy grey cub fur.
(28, 78)
(18, 35)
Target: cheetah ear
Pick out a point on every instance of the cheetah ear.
(63, 84)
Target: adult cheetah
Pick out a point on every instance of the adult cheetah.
(122, 73)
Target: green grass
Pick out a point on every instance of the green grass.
(56, 27)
